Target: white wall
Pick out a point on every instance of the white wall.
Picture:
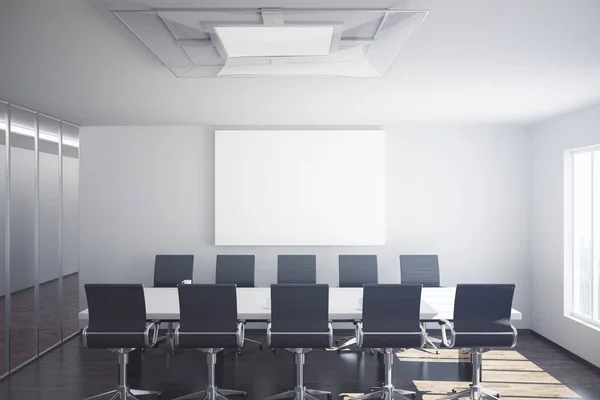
(550, 140)
(458, 191)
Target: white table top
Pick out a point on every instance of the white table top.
(345, 304)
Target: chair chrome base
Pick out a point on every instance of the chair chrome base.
(349, 342)
(430, 342)
(254, 341)
(300, 392)
(387, 391)
(472, 394)
(212, 392)
(123, 392)
(169, 338)
(475, 391)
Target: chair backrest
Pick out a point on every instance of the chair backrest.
(357, 270)
(483, 307)
(300, 307)
(172, 269)
(391, 316)
(301, 268)
(392, 308)
(235, 268)
(117, 312)
(207, 308)
(420, 268)
(208, 315)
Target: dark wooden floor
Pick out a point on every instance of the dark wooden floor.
(23, 340)
(535, 369)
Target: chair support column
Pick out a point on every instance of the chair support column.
(300, 371)
(123, 361)
(476, 358)
(388, 360)
(211, 389)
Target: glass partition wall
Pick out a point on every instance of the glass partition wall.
(39, 264)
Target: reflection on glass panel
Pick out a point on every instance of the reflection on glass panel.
(596, 212)
(23, 345)
(70, 152)
(49, 226)
(582, 230)
(3, 366)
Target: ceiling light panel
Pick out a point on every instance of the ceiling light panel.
(275, 41)
(200, 43)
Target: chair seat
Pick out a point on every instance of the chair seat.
(484, 340)
(115, 340)
(208, 341)
(392, 341)
(282, 341)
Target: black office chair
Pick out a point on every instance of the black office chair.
(117, 322)
(208, 322)
(299, 323)
(239, 270)
(481, 322)
(170, 270)
(391, 319)
(301, 268)
(422, 269)
(355, 271)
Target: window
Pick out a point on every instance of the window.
(586, 233)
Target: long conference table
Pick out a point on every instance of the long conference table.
(345, 304)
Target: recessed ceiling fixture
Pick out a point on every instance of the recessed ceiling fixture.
(275, 41)
(328, 42)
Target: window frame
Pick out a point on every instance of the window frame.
(573, 267)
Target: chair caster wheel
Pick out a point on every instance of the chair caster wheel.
(498, 395)
(371, 352)
(454, 391)
(337, 342)
(244, 395)
(328, 396)
(273, 350)
(260, 346)
(437, 352)
(414, 395)
(239, 352)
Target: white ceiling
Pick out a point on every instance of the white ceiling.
(474, 61)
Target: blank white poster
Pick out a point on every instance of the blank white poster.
(299, 188)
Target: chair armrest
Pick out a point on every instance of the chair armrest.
(448, 343)
(269, 333)
(330, 333)
(84, 336)
(358, 332)
(241, 330)
(151, 341)
(515, 336)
